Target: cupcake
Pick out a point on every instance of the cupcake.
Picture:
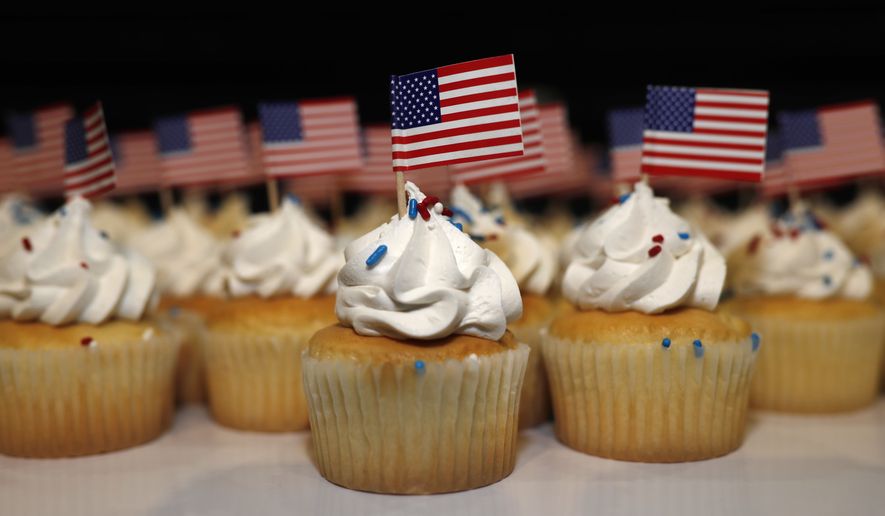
(802, 289)
(188, 262)
(644, 368)
(417, 389)
(533, 262)
(279, 277)
(82, 370)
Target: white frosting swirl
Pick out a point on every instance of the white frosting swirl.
(186, 255)
(433, 281)
(532, 261)
(66, 271)
(640, 256)
(284, 253)
(794, 257)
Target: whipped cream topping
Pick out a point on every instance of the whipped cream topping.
(284, 253)
(530, 258)
(16, 212)
(187, 256)
(794, 256)
(67, 271)
(425, 279)
(638, 255)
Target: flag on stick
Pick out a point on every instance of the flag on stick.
(625, 143)
(137, 162)
(705, 132)
(38, 147)
(89, 164)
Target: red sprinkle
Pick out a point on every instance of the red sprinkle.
(235, 233)
(794, 233)
(654, 251)
(85, 341)
(492, 237)
(84, 265)
(658, 239)
(615, 200)
(422, 209)
(777, 231)
(26, 243)
(753, 246)
(447, 212)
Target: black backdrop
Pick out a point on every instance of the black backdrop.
(594, 59)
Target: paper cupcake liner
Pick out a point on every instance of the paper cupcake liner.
(190, 376)
(643, 402)
(388, 428)
(61, 402)
(254, 381)
(817, 366)
(534, 406)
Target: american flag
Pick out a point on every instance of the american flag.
(375, 175)
(532, 161)
(775, 182)
(137, 161)
(203, 147)
(310, 137)
(705, 132)
(317, 190)
(559, 155)
(455, 114)
(625, 143)
(89, 163)
(831, 143)
(38, 142)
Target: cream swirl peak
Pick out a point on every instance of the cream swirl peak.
(284, 253)
(640, 256)
(795, 256)
(186, 255)
(421, 277)
(72, 272)
(532, 261)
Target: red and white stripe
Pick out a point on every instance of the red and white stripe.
(626, 162)
(330, 141)
(559, 154)
(138, 163)
(39, 169)
(376, 175)
(852, 146)
(727, 142)
(480, 119)
(532, 161)
(94, 175)
(217, 153)
(315, 189)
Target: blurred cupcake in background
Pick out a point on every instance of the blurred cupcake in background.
(85, 370)
(231, 216)
(120, 220)
(533, 262)
(804, 291)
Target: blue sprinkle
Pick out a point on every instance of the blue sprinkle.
(174, 311)
(827, 281)
(623, 198)
(461, 213)
(755, 338)
(684, 236)
(698, 348)
(666, 343)
(500, 221)
(63, 211)
(376, 256)
(294, 198)
(457, 225)
(413, 208)
(419, 366)
(478, 238)
(828, 254)
(856, 263)
(104, 234)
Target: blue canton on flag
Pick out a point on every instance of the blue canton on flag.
(670, 108)
(800, 129)
(774, 147)
(280, 122)
(21, 130)
(414, 99)
(75, 141)
(625, 127)
(172, 134)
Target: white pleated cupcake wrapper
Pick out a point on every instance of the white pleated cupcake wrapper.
(190, 378)
(395, 428)
(57, 402)
(534, 407)
(645, 402)
(817, 366)
(254, 381)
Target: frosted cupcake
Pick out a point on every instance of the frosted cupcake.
(533, 263)
(417, 389)
(190, 280)
(803, 290)
(82, 370)
(644, 368)
(279, 279)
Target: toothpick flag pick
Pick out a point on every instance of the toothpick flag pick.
(625, 143)
(705, 132)
(38, 147)
(89, 164)
(824, 145)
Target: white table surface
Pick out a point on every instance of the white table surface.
(802, 465)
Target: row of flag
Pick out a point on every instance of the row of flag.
(466, 123)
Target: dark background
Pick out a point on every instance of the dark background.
(593, 59)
